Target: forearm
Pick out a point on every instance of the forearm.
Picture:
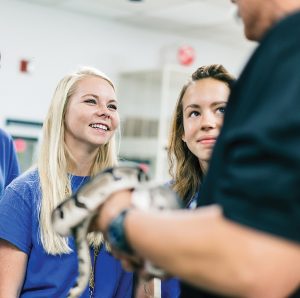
(12, 270)
(206, 250)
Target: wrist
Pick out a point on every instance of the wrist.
(113, 207)
(116, 233)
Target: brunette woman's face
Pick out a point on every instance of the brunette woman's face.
(204, 104)
(92, 115)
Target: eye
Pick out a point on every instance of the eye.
(91, 101)
(221, 109)
(194, 114)
(112, 107)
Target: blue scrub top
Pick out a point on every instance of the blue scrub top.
(48, 275)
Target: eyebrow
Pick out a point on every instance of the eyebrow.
(192, 106)
(219, 102)
(196, 106)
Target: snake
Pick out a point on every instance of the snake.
(73, 216)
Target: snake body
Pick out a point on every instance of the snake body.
(73, 216)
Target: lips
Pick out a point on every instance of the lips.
(207, 140)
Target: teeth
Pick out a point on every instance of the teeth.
(99, 126)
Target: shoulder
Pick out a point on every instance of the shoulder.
(4, 134)
(30, 177)
(22, 194)
(277, 41)
(272, 68)
(26, 183)
(5, 137)
(169, 183)
(192, 203)
(291, 21)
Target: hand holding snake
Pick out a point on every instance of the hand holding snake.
(75, 216)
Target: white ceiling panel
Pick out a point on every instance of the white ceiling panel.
(195, 13)
(182, 17)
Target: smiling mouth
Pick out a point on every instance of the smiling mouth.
(99, 126)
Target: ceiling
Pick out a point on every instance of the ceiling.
(192, 18)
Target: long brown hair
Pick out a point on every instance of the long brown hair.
(184, 166)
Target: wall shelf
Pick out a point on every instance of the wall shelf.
(147, 101)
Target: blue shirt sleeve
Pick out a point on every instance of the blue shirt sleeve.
(9, 166)
(13, 169)
(15, 219)
(170, 288)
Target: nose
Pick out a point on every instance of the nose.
(208, 121)
(103, 111)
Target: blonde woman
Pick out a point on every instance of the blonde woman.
(78, 141)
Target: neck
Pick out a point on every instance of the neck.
(81, 163)
(286, 7)
(80, 170)
(203, 166)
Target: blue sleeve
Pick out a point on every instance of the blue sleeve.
(13, 168)
(15, 219)
(170, 288)
(9, 166)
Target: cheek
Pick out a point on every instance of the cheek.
(74, 115)
(116, 121)
(67, 122)
(220, 121)
(189, 130)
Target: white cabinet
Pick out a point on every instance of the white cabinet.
(147, 101)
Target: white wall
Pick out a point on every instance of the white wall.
(59, 41)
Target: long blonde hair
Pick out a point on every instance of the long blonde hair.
(184, 166)
(54, 158)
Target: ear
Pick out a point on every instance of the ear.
(183, 138)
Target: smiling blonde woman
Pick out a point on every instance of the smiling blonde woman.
(78, 141)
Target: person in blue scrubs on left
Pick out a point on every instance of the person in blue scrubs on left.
(9, 165)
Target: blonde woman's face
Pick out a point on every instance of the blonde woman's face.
(92, 115)
(204, 104)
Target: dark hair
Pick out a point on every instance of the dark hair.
(184, 166)
(214, 71)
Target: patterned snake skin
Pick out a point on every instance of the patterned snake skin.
(73, 216)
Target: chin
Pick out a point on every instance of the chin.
(249, 35)
(253, 35)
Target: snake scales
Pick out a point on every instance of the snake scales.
(73, 216)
